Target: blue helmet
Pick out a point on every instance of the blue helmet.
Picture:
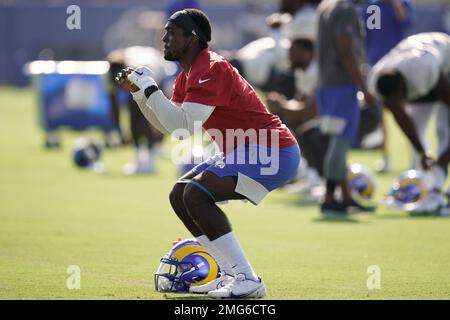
(85, 153)
(187, 264)
(408, 190)
(361, 181)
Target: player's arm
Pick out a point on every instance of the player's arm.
(396, 106)
(347, 53)
(442, 90)
(293, 112)
(151, 117)
(189, 116)
(173, 117)
(139, 97)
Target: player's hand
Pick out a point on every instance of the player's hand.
(275, 102)
(426, 161)
(122, 80)
(142, 77)
(370, 100)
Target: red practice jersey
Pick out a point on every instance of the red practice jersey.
(213, 81)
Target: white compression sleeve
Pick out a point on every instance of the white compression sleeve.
(140, 99)
(173, 117)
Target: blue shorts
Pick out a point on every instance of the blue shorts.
(339, 111)
(258, 169)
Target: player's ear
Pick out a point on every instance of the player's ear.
(195, 41)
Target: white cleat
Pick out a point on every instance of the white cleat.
(240, 288)
(431, 205)
(217, 283)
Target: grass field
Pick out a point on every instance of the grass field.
(116, 228)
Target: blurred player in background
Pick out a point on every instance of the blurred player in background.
(297, 18)
(417, 71)
(211, 92)
(340, 56)
(396, 16)
(264, 62)
(145, 137)
(301, 114)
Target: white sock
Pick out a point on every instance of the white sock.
(229, 247)
(212, 250)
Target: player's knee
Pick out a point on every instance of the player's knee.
(194, 196)
(176, 196)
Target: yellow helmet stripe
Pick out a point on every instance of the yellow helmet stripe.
(184, 251)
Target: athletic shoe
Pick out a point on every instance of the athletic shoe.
(217, 283)
(334, 209)
(355, 207)
(240, 288)
(431, 205)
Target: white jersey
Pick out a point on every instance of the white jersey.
(420, 59)
(303, 23)
(306, 80)
(259, 56)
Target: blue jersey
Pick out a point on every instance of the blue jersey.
(380, 41)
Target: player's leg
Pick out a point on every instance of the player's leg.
(440, 171)
(444, 134)
(313, 145)
(140, 130)
(385, 164)
(340, 115)
(420, 114)
(435, 200)
(231, 182)
(115, 112)
(199, 198)
(177, 203)
(443, 93)
(334, 171)
(114, 92)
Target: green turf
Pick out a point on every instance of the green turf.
(116, 228)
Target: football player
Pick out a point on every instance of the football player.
(145, 137)
(301, 113)
(417, 71)
(211, 92)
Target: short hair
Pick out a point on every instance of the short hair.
(389, 83)
(304, 42)
(202, 21)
